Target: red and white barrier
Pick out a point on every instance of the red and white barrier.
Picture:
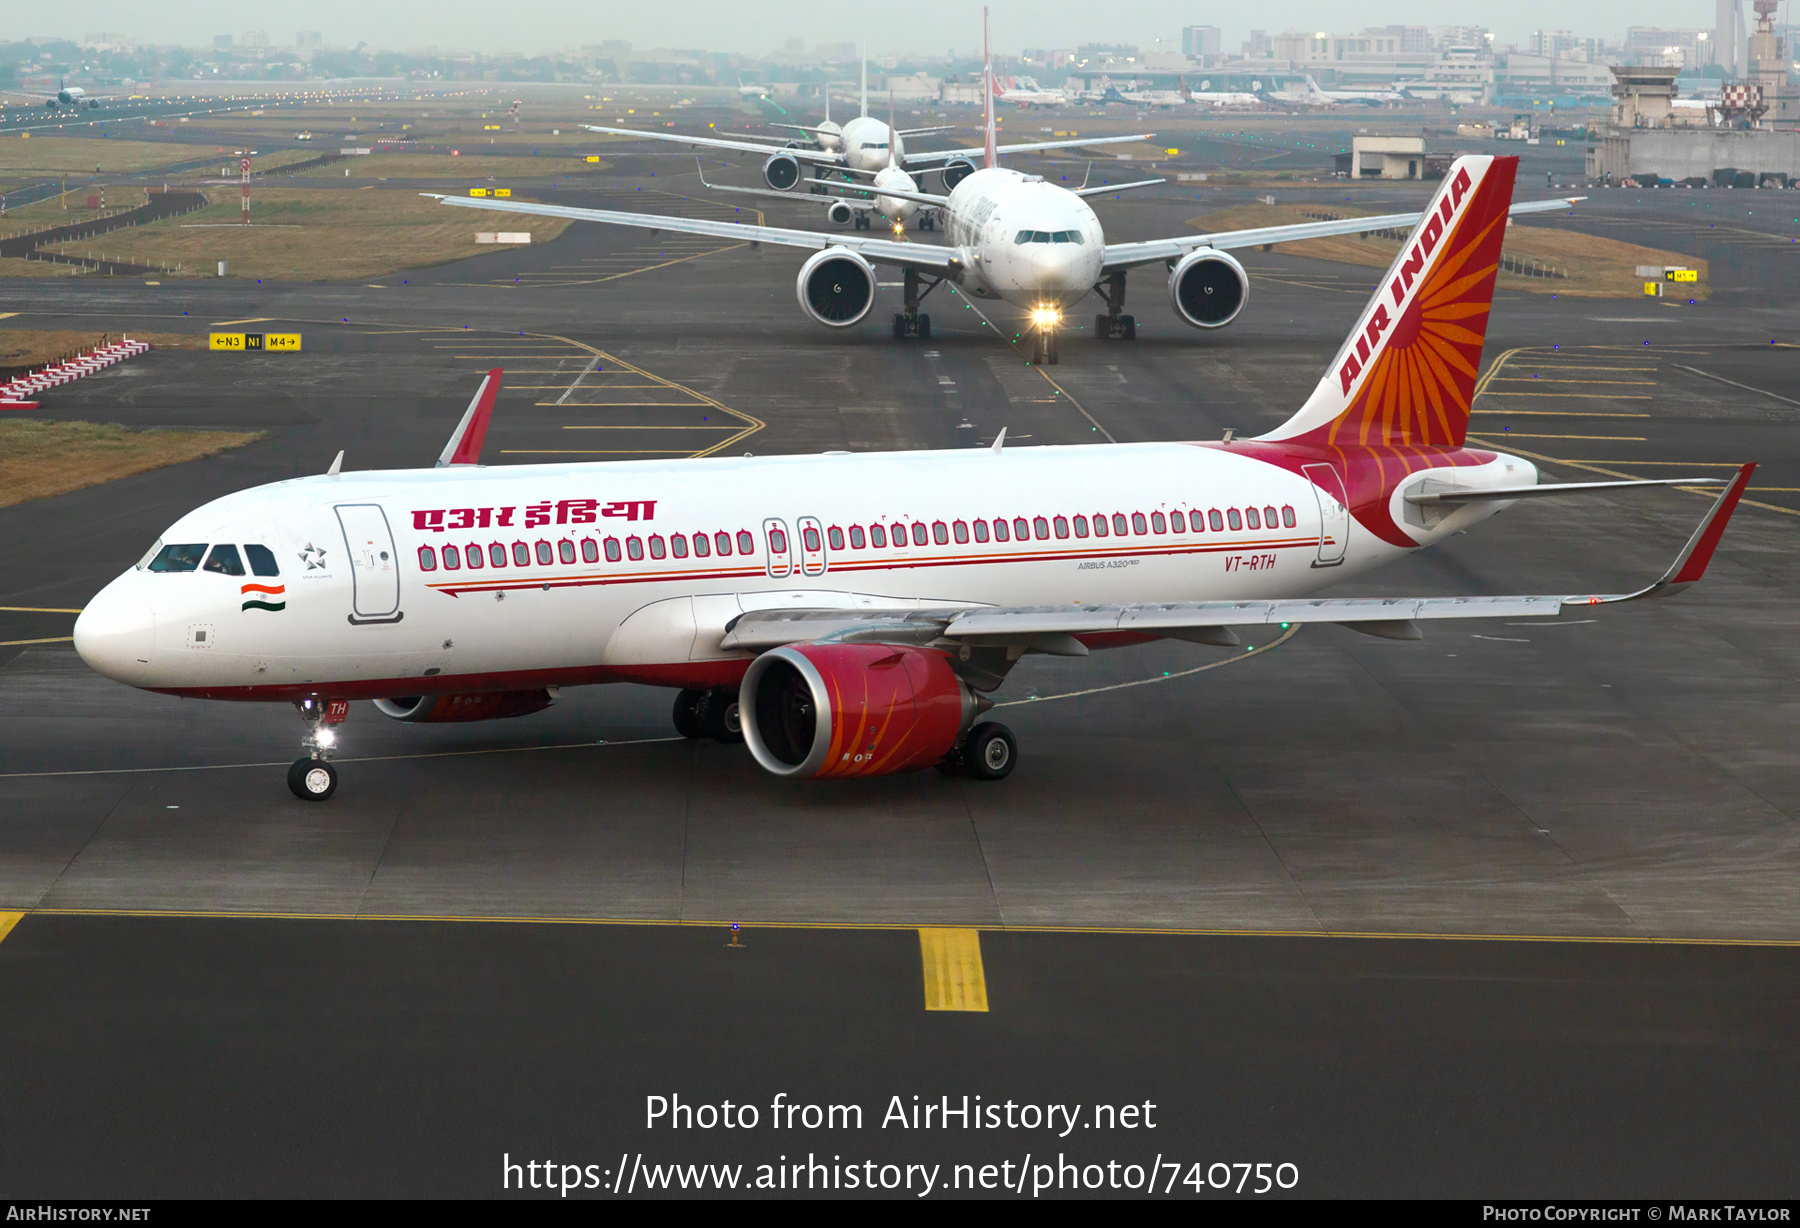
(13, 394)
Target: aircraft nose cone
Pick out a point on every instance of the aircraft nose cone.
(114, 633)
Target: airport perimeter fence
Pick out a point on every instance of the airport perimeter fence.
(157, 206)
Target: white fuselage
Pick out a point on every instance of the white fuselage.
(870, 144)
(1026, 241)
(581, 578)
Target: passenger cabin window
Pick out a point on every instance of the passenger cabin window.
(224, 559)
(178, 558)
(746, 543)
(809, 537)
(612, 550)
(1100, 529)
(918, 534)
(1287, 517)
(1061, 525)
(657, 549)
(1233, 519)
(521, 554)
(1081, 526)
(1119, 524)
(428, 558)
(473, 554)
(1040, 527)
(1217, 521)
(1001, 533)
(940, 533)
(702, 546)
(543, 553)
(634, 548)
(497, 554)
(1269, 517)
(1177, 522)
(960, 530)
(590, 550)
(1253, 518)
(777, 541)
(1157, 523)
(856, 537)
(452, 558)
(981, 530)
(722, 543)
(1021, 529)
(877, 536)
(678, 546)
(262, 560)
(565, 550)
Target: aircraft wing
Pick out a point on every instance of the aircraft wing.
(1056, 629)
(1119, 187)
(713, 142)
(881, 251)
(1129, 255)
(870, 192)
(975, 151)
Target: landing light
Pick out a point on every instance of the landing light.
(1046, 317)
(325, 737)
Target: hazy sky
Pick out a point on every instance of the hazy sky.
(731, 25)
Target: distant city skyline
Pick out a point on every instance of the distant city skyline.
(714, 25)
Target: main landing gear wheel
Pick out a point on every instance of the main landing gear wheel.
(911, 326)
(719, 717)
(312, 780)
(989, 752)
(687, 714)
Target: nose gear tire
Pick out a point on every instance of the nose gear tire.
(312, 780)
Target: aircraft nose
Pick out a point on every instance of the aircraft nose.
(1059, 269)
(114, 633)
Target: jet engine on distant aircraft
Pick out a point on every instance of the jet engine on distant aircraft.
(956, 170)
(484, 706)
(840, 710)
(781, 172)
(837, 287)
(840, 214)
(1208, 288)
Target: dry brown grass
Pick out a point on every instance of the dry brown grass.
(13, 266)
(39, 459)
(306, 234)
(1596, 267)
(57, 155)
(21, 347)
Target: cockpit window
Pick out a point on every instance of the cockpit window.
(178, 558)
(149, 554)
(1048, 236)
(262, 560)
(224, 560)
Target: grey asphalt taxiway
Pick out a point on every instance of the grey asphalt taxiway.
(1259, 885)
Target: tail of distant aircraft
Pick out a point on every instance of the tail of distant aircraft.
(987, 75)
(1406, 376)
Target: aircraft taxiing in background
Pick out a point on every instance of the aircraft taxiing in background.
(851, 615)
(1013, 237)
(1025, 92)
(66, 95)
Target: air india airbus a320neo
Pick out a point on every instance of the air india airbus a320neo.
(847, 615)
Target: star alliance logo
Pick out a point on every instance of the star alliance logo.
(313, 556)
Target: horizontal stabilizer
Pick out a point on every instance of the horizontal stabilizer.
(465, 443)
(1437, 497)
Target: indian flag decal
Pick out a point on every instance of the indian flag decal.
(265, 596)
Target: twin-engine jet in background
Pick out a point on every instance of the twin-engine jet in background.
(66, 95)
(850, 615)
(1013, 237)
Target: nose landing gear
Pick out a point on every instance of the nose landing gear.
(312, 778)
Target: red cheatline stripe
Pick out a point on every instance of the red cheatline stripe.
(277, 589)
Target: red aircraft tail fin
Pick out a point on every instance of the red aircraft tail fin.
(1406, 375)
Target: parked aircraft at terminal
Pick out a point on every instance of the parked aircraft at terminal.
(849, 615)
